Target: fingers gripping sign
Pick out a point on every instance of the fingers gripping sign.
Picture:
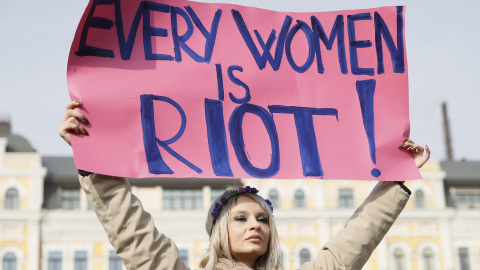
(73, 122)
(420, 154)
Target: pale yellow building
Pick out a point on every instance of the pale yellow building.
(52, 226)
(21, 196)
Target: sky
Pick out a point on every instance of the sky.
(442, 40)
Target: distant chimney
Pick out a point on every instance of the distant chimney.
(5, 127)
(446, 131)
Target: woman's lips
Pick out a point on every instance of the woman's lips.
(254, 238)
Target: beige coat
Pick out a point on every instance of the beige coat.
(132, 233)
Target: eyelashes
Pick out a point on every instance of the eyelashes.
(240, 218)
(263, 220)
(259, 219)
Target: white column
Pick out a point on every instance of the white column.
(160, 196)
(36, 193)
(33, 255)
(156, 198)
(319, 195)
(382, 255)
(439, 193)
(447, 245)
(206, 196)
(325, 232)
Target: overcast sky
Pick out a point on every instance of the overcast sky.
(442, 39)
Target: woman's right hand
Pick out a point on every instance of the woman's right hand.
(72, 122)
(417, 151)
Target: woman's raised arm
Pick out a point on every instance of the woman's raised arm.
(352, 246)
(129, 227)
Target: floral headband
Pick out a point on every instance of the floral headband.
(218, 206)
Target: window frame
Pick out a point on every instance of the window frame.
(464, 264)
(9, 261)
(80, 261)
(70, 198)
(399, 259)
(114, 261)
(345, 201)
(419, 199)
(305, 257)
(179, 199)
(299, 199)
(12, 199)
(54, 260)
(274, 198)
(183, 256)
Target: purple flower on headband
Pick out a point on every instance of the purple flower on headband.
(216, 210)
(246, 189)
(269, 204)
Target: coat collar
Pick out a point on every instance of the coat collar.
(228, 264)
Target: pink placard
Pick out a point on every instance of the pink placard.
(187, 89)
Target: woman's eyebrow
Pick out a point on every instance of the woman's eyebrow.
(244, 212)
(236, 212)
(263, 213)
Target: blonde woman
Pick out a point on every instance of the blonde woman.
(240, 223)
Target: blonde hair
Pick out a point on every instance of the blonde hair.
(218, 233)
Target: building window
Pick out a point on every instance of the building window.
(80, 260)
(464, 259)
(182, 199)
(299, 199)
(399, 259)
(419, 199)
(273, 197)
(183, 256)
(345, 198)
(114, 262)
(11, 199)
(428, 259)
(55, 260)
(70, 198)
(467, 200)
(9, 262)
(304, 256)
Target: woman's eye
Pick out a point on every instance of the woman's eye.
(263, 220)
(240, 218)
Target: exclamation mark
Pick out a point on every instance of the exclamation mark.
(366, 92)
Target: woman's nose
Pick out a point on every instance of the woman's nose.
(254, 225)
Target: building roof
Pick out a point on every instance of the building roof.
(62, 170)
(60, 167)
(16, 143)
(465, 171)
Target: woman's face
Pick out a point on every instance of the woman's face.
(248, 230)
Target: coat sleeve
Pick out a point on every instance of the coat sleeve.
(129, 227)
(352, 246)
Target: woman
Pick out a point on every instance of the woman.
(240, 223)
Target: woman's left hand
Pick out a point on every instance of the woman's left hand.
(420, 154)
(73, 122)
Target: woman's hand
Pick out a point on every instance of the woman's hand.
(71, 123)
(417, 151)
